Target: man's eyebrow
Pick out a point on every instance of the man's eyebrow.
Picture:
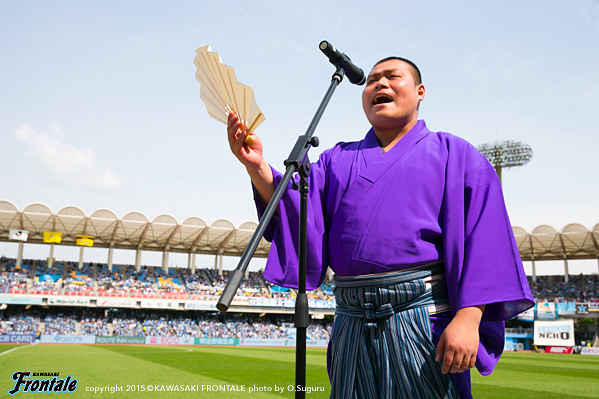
(384, 71)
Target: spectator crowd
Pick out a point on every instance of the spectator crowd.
(66, 278)
(579, 288)
(130, 323)
(33, 277)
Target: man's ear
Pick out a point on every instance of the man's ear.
(421, 91)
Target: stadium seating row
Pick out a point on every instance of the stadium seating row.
(128, 323)
(65, 278)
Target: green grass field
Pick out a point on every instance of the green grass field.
(519, 375)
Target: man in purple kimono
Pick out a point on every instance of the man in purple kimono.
(414, 225)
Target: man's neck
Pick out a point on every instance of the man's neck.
(388, 138)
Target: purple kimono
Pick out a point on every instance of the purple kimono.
(432, 197)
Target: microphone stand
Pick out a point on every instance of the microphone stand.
(297, 162)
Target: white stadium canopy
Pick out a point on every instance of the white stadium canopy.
(545, 243)
(132, 231)
(164, 233)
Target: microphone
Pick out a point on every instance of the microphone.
(337, 58)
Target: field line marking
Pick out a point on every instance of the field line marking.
(10, 350)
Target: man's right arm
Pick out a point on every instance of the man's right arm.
(251, 157)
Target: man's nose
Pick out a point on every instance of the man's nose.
(382, 82)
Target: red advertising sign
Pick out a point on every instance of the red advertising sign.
(559, 349)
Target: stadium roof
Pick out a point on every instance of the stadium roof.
(132, 231)
(545, 243)
(164, 233)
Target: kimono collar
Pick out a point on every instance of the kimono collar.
(371, 148)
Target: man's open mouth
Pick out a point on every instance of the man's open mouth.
(381, 99)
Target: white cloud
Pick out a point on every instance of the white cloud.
(64, 162)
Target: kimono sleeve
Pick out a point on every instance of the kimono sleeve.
(283, 232)
(483, 265)
(482, 257)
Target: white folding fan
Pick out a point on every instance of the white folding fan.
(220, 91)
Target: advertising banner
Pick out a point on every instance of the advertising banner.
(290, 303)
(216, 341)
(265, 342)
(566, 308)
(589, 351)
(280, 342)
(21, 300)
(593, 306)
(86, 241)
(320, 343)
(582, 308)
(169, 340)
(68, 339)
(52, 237)
(321, 304)
(116, 303)
(17, 338)
(559, 349)
(119, 340)
(67, 301)
(159, 304)
(545, 311)
(274, 302)
(18, 235)
(554, 333)
(237, 300)
(200, 305)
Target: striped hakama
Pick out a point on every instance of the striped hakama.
(381, 345)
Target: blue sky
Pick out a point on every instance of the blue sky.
(99, 106)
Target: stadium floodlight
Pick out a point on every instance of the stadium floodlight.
(506, 154)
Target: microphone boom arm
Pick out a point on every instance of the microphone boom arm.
(299, 162)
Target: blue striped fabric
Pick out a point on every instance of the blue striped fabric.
(381, 345)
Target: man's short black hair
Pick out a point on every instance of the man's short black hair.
(416, 73)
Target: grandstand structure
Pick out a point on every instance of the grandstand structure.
(134, 231)
(573, 242)
(112, 300)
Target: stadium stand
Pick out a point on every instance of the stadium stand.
(196, 284)
(48, 282)
(127, 327)
(582, 288)
(112, 284)
(33, 277)
(91, 325)
(66, 279)
(79, 281)
(15, 279)
(128, 323)
(60, 324)
(18, 323)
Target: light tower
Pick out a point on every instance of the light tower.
(506, 154)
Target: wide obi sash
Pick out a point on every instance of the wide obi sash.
(375, 297)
